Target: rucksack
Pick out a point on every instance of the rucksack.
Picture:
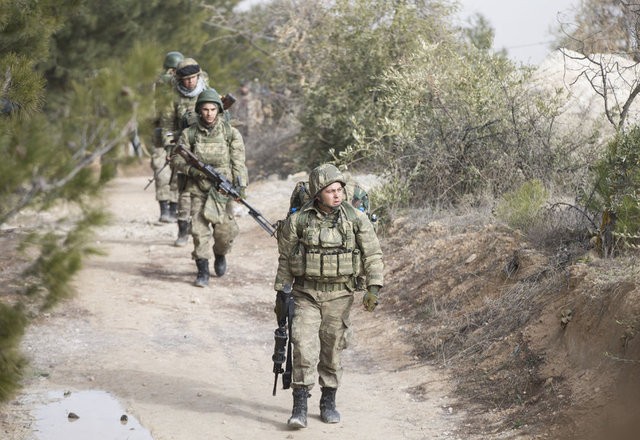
(356, 194)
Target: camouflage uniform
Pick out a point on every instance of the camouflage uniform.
(165, 195)
(320, 256)
(221, 146)
(247, 112)
(180, 115)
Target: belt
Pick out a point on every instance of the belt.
(320, 285)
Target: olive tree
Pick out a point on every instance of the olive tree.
(601, 48)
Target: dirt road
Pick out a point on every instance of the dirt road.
(194, 364)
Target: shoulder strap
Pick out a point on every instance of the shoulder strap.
(300, 220)
(349, 211)
(192, 136)
(227, 132)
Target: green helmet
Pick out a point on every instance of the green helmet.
(209, 95)
(323, 176)
(172, 59)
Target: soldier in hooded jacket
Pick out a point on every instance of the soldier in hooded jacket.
(323, 249)
(214, 142)
(166, 196)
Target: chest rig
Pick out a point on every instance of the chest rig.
(327, 249)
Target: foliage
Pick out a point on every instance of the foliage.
(616, 193)
(457, 121)
(479, 33)
(523, 207)
(330, 56)
(238, 48)
(100, 34)
(52, 163)
(391, 87)
(61, 257)
(602, 26)
(25, 26)
(12, 324)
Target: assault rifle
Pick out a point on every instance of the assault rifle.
(223, 185)
(157, 173)
(282, 349)
(227, 101)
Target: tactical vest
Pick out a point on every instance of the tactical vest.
(213, 149)
(327, 249)
(184, 111)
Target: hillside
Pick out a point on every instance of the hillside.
(538, 343)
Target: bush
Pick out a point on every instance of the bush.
(522, 208)
(616, 194)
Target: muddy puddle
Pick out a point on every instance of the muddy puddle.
(82, 415)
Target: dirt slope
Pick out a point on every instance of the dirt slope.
(193, 363)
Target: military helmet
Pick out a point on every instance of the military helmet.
(172, 59)
(209, 95)
(187, 68)
(323, 176)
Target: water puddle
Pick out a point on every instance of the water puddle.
(82, 415)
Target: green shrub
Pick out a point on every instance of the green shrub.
(522, 208)
(616, 193)
(12, 325)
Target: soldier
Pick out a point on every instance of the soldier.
(165, 195)
(248, 111)
(190, 81)
(323, 248)
(214, 142)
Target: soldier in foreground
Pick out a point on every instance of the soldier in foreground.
(214, 142)
(323, 248)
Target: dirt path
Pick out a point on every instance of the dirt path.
(191, 363)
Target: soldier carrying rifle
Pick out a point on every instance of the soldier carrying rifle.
(214, 142)
(324, 248)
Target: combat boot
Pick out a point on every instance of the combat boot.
(165, 214)
(202, 280)
(328, 412)
(298, 417)
(183, 233)
(220, 265)
(173, 211)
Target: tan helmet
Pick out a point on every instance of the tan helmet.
(187, 68)
(323, 176)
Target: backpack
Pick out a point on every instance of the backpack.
(356, 194)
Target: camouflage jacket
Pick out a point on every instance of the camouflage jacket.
(220, 146)
(335, 248)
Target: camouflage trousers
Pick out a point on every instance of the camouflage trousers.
(184, 205)
(164, 191)
(178, 183)
(319, 333)
(204, 232)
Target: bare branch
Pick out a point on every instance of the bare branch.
(39, 185)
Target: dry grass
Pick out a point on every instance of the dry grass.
(487, 303)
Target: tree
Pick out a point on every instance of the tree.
(100, 34)
(606, 54)
(331, 55)
(603, 26)
(62, 157)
